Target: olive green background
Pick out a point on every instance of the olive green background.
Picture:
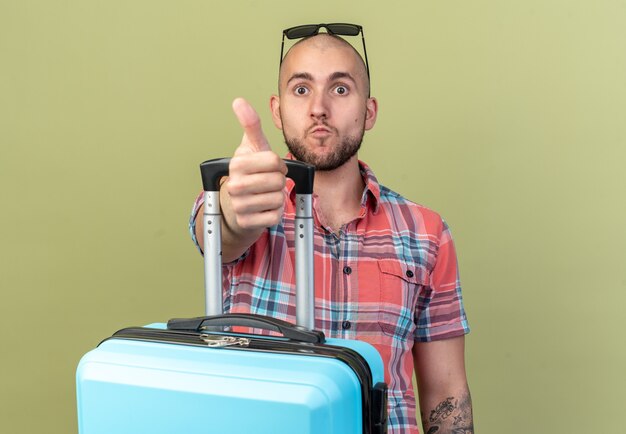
(507, 117)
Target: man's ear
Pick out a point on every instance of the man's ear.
(371, 113)
(275, 108)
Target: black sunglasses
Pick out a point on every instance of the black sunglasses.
(342, 29)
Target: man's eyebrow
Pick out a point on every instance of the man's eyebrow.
(340, 74)
(300, 76)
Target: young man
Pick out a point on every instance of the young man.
(385, 268)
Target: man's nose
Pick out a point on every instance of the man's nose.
(319, 106)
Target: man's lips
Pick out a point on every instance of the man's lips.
(320, 130)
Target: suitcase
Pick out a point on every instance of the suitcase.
(196, 375)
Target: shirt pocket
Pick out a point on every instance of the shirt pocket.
(400, 286)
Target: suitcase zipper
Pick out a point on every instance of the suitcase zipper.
(224, 341)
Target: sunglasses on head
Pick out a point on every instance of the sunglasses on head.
(340, 29)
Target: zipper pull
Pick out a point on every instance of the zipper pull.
(218, 341)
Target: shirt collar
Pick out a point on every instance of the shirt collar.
(371, 193)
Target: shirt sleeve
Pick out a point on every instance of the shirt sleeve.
(192, 219)
(440, 313)
(195, 209)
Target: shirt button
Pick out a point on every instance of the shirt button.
(346, 325)
(347, 270)
(409, 273)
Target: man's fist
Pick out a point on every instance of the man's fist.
(256, 179)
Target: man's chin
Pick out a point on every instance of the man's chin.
(325, 156)
(327, 163)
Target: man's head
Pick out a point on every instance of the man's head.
(325, 41)
(323, 106)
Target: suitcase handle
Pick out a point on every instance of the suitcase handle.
(303, 175)
(213, 170)
(288, 330)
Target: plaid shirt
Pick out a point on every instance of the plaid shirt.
(389, 278)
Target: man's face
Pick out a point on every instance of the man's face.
(323, 108)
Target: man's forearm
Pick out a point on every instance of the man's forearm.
(452, 415)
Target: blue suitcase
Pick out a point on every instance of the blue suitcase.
(197, 376)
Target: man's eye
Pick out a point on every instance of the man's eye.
(301, 90)
(341, 90)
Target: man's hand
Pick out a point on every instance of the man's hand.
(252, 197)
(256, 178)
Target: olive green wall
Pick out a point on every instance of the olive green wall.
(506, 117)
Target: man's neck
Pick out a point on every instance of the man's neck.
(339, 194)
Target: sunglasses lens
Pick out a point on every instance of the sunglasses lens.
(301, 31)
(344, 29)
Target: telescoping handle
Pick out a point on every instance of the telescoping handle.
(303, 175)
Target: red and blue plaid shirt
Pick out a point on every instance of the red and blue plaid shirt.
(389, 278)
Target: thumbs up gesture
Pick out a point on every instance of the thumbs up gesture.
(252, 198)
(253, 138)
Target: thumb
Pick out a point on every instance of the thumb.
(253, 138)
